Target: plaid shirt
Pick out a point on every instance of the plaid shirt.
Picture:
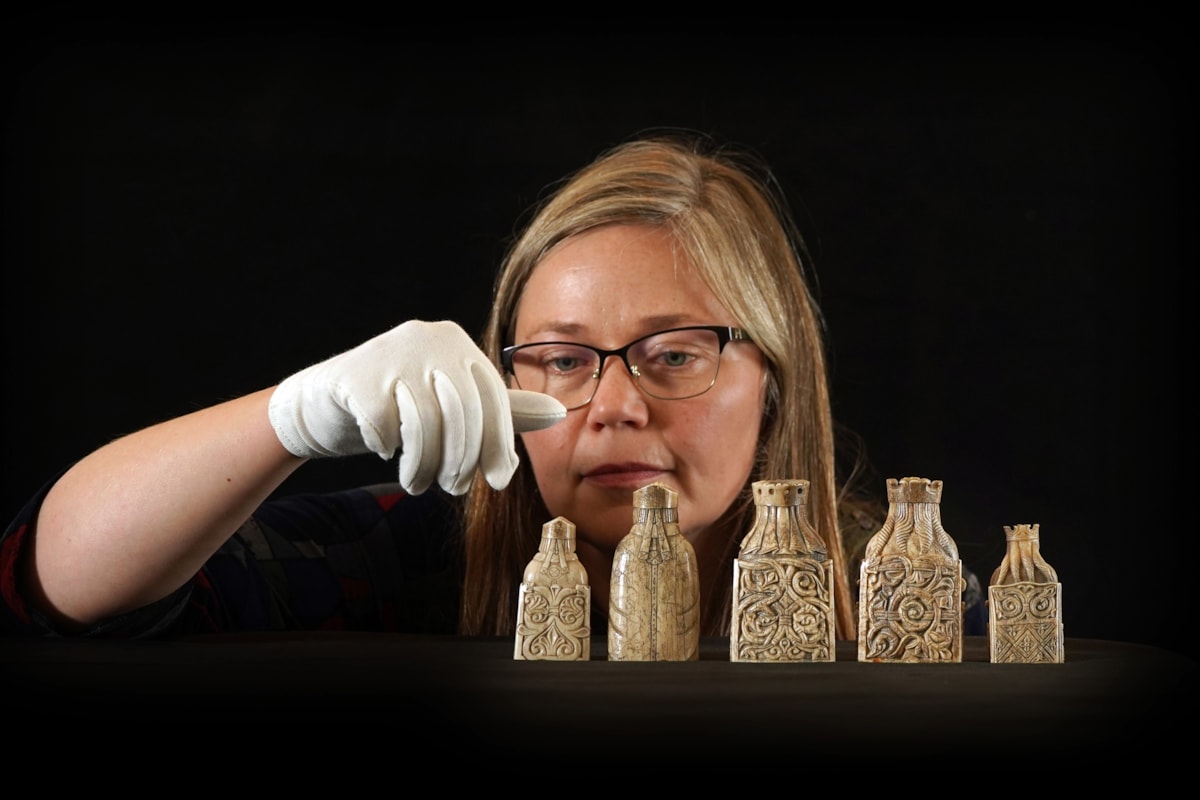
(371, 558)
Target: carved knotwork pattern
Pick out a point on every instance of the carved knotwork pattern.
(554, 623)
(1025, 623)
(783, 610)
(910, 611)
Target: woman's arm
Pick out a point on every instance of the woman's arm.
(135, 519)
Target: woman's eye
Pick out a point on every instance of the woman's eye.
(563, 364)
(674, 359)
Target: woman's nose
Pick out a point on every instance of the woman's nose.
(617, 397)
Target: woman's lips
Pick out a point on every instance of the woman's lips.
(622, 476)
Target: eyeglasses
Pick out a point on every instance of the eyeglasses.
(673, 364)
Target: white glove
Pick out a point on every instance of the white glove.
(422, 387)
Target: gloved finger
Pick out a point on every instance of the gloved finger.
(498, 452)
(420, 436)
(532, 411)
(377, 416)
(462, 426)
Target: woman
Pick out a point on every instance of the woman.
(705, 242)
(663, 253)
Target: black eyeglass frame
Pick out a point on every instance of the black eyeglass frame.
(725, 335)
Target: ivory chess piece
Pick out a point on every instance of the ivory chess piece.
(1025, 603)
(654, 603)
(554, 603)
(910, 581)
(783, 602)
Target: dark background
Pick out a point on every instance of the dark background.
(193, 214)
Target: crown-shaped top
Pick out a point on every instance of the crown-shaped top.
(780, 492)
(914, 490)
(1021, 533)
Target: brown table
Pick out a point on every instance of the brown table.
(1130, 700)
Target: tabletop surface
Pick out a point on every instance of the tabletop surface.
(1106, 695)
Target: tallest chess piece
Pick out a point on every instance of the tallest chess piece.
(910, 582)
(654, 607)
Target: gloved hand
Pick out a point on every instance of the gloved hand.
(422, 387)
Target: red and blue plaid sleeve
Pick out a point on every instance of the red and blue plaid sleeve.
(370, 558)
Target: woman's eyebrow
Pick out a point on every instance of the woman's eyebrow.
(558, 329)
(562, 330)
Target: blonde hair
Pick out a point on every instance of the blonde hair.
(722, 207)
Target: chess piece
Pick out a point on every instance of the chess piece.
(554, 603)
(654, 603)
(782, 582)
(1025, 604)
(910, 581)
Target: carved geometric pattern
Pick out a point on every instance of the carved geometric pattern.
(1025, 623)
(554, 623)
(783, 610)
(910, 611)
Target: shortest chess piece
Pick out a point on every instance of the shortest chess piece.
(554, 605)
(1025, 604)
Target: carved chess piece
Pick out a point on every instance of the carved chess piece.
(654, 604)
(910, 581)
(1025, 604)
(783, 602)
(554, 603)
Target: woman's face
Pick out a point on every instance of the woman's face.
(605, 288)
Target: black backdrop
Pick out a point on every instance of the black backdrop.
(191, 215)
